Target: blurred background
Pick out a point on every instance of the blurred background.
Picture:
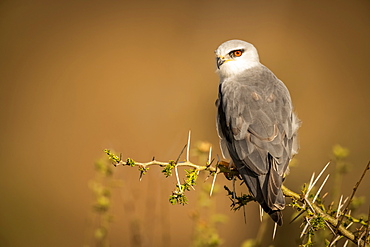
(77, 77)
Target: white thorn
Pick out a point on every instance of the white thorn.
(188, 147)
(331, 229)
(345, 201)
(339, 206)
(304, 229)
(213, 184)
(335, 240)
(350, 224)
(309, 204)
(178, 180)
(345, 244)
(322, 171)
(210, 155)
(310, 184)
(274, 233)
(318, 192)
(360, 237)
(261, 213)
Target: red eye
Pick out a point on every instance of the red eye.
(237, 53)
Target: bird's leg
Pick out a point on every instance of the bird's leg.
(230, 176)
(234, 193)
(230, 166)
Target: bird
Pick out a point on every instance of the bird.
(255, 123)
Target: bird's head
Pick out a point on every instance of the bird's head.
(235, 56)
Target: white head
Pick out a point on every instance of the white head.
(235, 56)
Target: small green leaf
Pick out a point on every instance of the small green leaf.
(178, 198)
(143, 170)
(130, 162)
(112, 156)
(167, 170)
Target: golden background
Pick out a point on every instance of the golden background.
(80, 76)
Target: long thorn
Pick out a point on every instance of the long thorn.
(345, 243)
(322, 171)
(213, 184)
(335, 240)
(302, 212)
(178, 179)
(345, 200)
(274, 233)
(309, 204)
(310, 184)
(328, 225)
(209, 155)
(318, 192)
(305, 228)
(188, 147)
(350, 224)
(261, 213)
(339, 206)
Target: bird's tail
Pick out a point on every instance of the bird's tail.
(253, 182)
(277, 216)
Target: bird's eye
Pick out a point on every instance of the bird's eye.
(237, 53)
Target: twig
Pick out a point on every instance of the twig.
(351, 198)
(162, 164)
(178, 157)
(367, 233)
(316, 209)
(331, 220)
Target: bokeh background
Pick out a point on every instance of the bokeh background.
(77, 77)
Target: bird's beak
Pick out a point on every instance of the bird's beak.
(220, 61)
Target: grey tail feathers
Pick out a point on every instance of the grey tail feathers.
(276, 215)
(255, 189)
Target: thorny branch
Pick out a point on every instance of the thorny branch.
(319, 212)
(317, 215)
(351, 198)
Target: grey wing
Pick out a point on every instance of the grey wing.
(257, 128)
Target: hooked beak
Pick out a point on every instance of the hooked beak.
(220, 61)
